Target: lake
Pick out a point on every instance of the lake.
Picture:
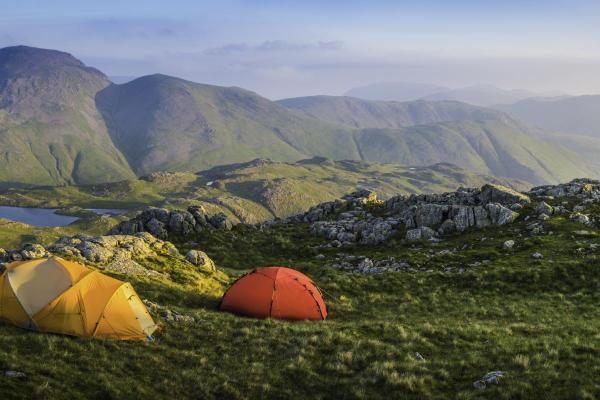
(46, 216)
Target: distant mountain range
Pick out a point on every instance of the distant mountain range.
(62, 122)
(481, 95)
(573, 122)
(578, 115)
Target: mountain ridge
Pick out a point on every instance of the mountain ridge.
(81, 128)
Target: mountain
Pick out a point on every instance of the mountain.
(166, 123)
(50, 129)
(64, 123)
(260, 189)
(421, 133)
(579, 115)
(359, 113)
(481, 95)
(397, 91)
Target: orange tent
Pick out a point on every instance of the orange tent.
(275, 292)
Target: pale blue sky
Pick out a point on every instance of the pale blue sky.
(292, 48)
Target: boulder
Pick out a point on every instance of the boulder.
(502, 194)
(157, 228)
(448, 226)
(508, 245)
(201, 260)
(220, 221)
(500, 215)
(31, 251)
(422, 233)
(544, 208)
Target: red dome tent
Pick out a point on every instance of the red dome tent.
(275, 292)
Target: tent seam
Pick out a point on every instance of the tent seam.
(104, 309)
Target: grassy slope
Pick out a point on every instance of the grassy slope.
(535, 319)
(359, 113)
(166, 123)
(257, 191)
(425, 132)
(499, 148)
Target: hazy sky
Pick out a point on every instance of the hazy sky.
(292, 48)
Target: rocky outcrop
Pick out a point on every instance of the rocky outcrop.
(162, 223)
(29, 251)
(123, 254)
(422, 216)
(582, 188)
(117, 253)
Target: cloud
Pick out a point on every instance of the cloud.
(274, 46)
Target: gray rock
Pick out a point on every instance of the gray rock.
(423, 232)
(413, 234)
(220, 221)
(201, 260)
(502, 194)
(31, 251)
(544, 208)
(489, 379)
(508, 245)
(500, 215)
(537, 255)
(581, 218)
(448, 226)
(157, 228)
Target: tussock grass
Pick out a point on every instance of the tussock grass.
(535, 319)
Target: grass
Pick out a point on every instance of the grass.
(535, 319)
(252, 192)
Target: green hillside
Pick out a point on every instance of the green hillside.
(421, 133)
(359, 113)
(490, 147)
(165, 123)
(64, 123)
(50, 130)
(258, 190)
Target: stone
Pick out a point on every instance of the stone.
(31, 251)
(448, 226)
(501, 194)
(14, 374)
(157, 228)
(508, 245)
(500, 215)
(543, 217)
(201, 260)
(365, 265)
(423, 232)
(413, 234)
(220, 221)
(544, 208)
(537, 255)
(581, 218)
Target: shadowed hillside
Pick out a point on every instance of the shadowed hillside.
(50, 130)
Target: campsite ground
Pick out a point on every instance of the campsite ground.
(536, 319)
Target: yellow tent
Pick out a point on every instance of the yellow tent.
(55, 295)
